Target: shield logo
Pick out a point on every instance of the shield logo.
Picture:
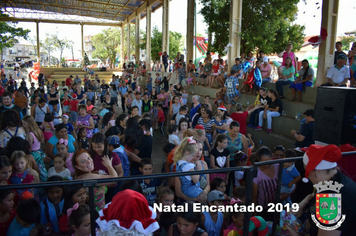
(328, 208)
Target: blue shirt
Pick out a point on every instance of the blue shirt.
(16, 229)
(231, 84)
(123, 90)
(289, 174)
(150, 190)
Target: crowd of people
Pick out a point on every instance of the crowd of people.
(106, 130)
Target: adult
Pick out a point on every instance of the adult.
(265, 183)
(338, 47)
(320, 164)
(110, 104)
(21, 101)
(241, 116)
(206, 70)
(165, 59)
(273, 109)
(10, 126)
(163, 98)
(339, 74)
(81, 96)
(39, 109)
(123, 91)
(288, 53)
(8, 105)
(120, 122)
(304, 137)
(61, 133)
(104, 88)
(195, 106)
(287, 76)
(182, 73)
(53, 98)
(305, 79)
(77, 80)
(265, 70)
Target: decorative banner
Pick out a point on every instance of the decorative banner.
(316, 40)
(160, 53)
(227, 47)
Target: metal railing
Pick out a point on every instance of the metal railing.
(250, 172)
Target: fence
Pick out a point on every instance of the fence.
(250, 172)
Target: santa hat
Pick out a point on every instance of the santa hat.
(320, 158)
(74, 96)
(199, 127)
(128, 210)
(222, 108)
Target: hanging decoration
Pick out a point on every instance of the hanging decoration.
(226, 50)
(316, 40)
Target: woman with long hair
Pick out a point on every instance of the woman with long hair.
(305, 79)
(287, 76)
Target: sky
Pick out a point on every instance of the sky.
(309, 15)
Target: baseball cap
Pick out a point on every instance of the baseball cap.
(215, 195)
(341, 56)
(265, 59)
(113, 140)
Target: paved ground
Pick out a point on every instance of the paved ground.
(159, 141)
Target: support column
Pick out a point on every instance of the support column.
(235, 31)
(128, 41)
(330, 10)
(190, 29)
(122, 45)
(137, 38)
(38, 42)
(148, 38)
(165, 27)
(82, 38)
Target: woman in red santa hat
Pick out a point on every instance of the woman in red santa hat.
(320, 164)
(128, 214)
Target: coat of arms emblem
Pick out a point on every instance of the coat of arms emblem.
(328, 215)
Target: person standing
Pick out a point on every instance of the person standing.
(165, 58)
(122, 92)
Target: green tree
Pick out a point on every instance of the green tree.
(48, 46)
(61, 44)
(107, 44)
(346, 40)
(266, 25)
(10, 34)
(175, 43)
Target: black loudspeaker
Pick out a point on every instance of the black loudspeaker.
(335, 115)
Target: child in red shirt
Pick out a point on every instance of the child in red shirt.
(160, 118)
(73, 107)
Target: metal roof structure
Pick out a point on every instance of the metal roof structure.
(100, 11)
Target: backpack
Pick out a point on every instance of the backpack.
(125, 163)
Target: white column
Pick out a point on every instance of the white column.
(165, 26)
(122, 45)
(235, 30)
(38, 42)
(137, 38)
(82, 38)
(148, 37)
(190, 29)
(128, 42)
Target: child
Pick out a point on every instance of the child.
(55, 114)
(113, 94)
(96, 119)
(79, 220)
(290, 177)
(182, 113)
(8, 212)
(202, 138)
(108, 120)
(47, 126)
(241, 159)
(239, 193)
(214, 220)
(219, 157)
(190, 79)
(158, 82)
(219, 123)
(133, 84)
(184, 99)
(83, 141)
(52, 206)
(173, 137)
(115, 146)
(128, 101)
(220, 97)
(182, 156)
(190, 221)
(231, 87)
(62, 148)
(73, 107)
(22, 173)
(27, 214)
(165, 197)
(219, 184)
(103, 110)
(32, 88)
(70, 127)
(91, 95)
(59, 168)
(149, 186)
(160, 118)
(89, 105)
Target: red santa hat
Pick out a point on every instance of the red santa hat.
(320, 158)
(199, 127)
(222, 108)
(128, 210)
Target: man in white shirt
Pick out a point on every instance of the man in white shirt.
(338, 74)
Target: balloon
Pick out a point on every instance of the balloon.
(276, 63)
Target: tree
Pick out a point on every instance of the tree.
(48, 46)
(61, 44)
(33, 42)
(9, 34)
(266, 25)
(107, 44)
(175, 43)
(346, 40)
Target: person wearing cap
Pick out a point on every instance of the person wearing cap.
(320, 164)
(305, 79)
(115, 146)
(338, 74)
(213, 221)
(265, 70)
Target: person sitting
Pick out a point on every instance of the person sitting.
(305, 79)
(265, 70)
(339, 74)
(305, 136)
(287, 76)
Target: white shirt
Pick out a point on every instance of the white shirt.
(173, 137)
(338, 75)
(64, 174)
(186, 167)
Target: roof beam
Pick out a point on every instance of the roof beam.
(139, 10)
(59, 21)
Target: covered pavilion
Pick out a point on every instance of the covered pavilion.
(122, 13)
